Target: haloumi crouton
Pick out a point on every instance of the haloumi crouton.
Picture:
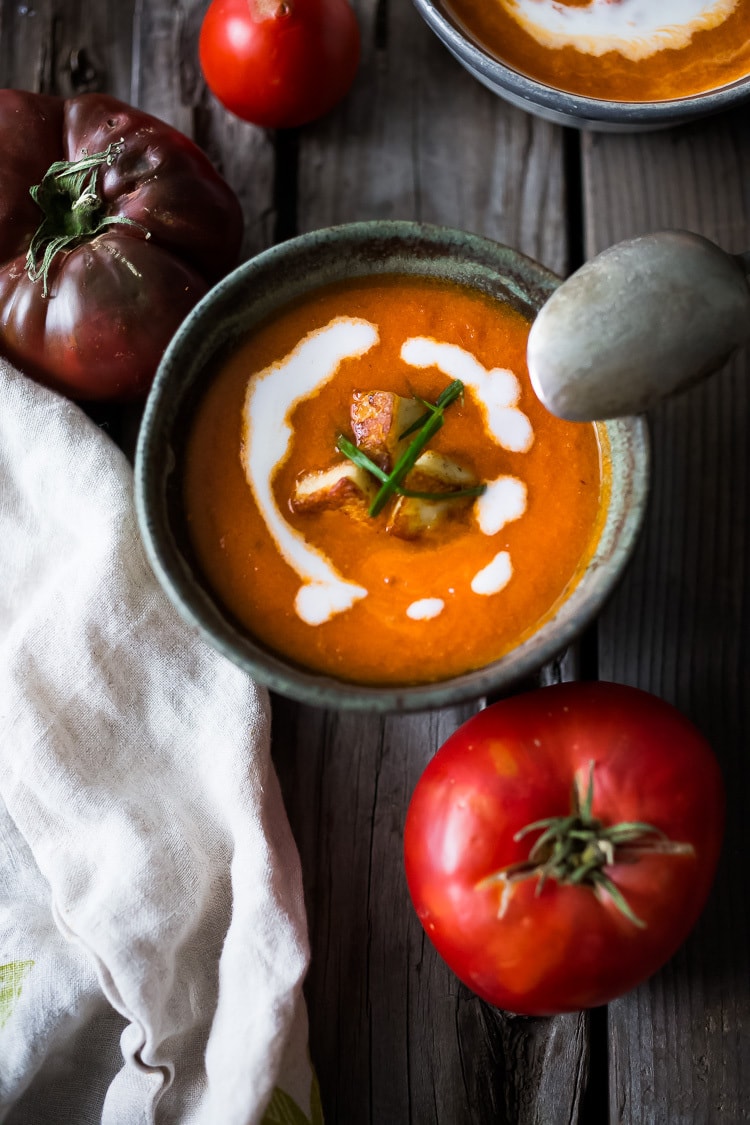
(345, 486)
(411, 518)
(378, 419)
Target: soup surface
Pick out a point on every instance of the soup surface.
(430, 586)
(626, 50)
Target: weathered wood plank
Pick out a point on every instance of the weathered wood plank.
(167, 81)
(394, 1037)
(679, 626)
(66, 46)
(420, 139)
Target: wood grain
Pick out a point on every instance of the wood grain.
(420, 139)
(167, 82)
(66, 46)
(679, 627)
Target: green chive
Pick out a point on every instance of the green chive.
(459, 494)
(359, 458)
(405, 463)
(446, 397)
(430, 425)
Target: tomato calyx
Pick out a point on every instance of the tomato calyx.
(576, 849)
(72, 208)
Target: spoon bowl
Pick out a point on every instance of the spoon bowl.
(646, 318)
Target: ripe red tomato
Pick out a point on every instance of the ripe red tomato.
(279, 63)
(596, 908)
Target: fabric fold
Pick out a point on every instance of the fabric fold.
(148, 861)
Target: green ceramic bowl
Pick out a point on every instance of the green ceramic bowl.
(248, 297)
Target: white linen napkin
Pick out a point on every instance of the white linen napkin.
(152, 930)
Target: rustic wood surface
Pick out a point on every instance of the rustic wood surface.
(680, 623)
(394, 1037)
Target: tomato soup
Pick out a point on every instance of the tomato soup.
(624, 50)
(510, 500)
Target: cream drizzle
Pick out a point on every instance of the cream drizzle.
(425, 609)
(497, 390)
(492, 578)
(636, 29)
(504, 500)
(272, 394)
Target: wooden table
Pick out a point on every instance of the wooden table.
(394, 1037)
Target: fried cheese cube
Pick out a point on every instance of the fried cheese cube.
(378, 419)
(344, 486)
(412, 518)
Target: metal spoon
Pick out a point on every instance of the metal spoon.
(646, 318)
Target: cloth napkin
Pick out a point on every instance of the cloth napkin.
(152, 931)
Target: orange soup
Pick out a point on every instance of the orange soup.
(625, 50)
(478, 543)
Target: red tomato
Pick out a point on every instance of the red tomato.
(518, 929)
(151, 223)
(279, 63)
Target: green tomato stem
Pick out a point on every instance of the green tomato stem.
(577, 849)
(72, 208)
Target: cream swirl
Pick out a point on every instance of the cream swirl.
(636, 29)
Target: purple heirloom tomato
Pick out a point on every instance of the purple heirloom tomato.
(112, 226)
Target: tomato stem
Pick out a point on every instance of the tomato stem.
(576, 849)
(72, 208)
(270, 9)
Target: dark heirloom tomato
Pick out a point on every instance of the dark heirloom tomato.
(142, 226)
(561, 844)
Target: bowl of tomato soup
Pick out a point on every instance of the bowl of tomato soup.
(345, 481)
(613, 65)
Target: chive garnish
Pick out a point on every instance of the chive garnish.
(359, 458)
(425, 428)
(431, 423)
(446, 397)
(458, 494)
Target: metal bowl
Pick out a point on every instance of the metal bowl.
(563, 108)
(248, 297)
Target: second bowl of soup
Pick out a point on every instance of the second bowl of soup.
(346, 482)
(617, 65)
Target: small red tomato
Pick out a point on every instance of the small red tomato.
(561, 844)
(279, 63)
